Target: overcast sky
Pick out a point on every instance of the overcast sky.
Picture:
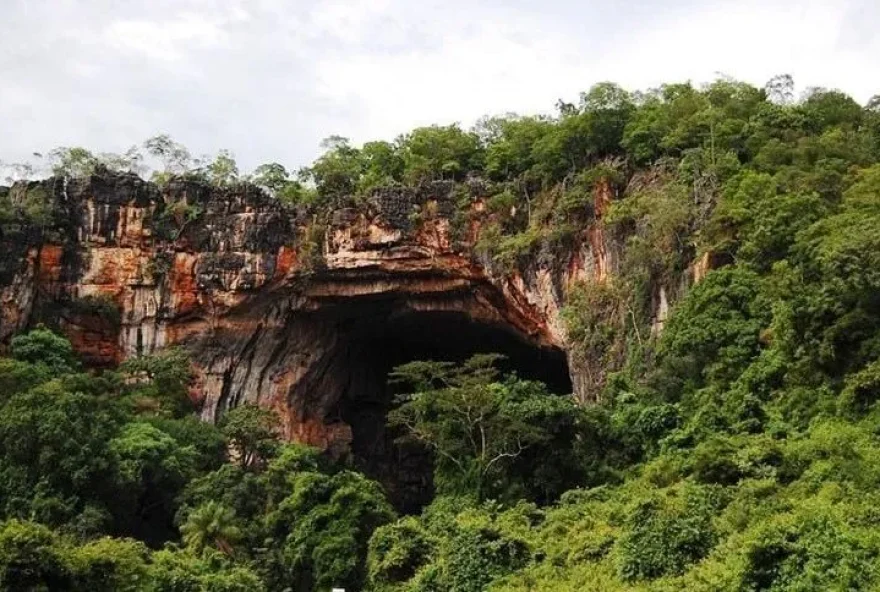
(268, 79)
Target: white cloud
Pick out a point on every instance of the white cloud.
(163, 40)
(349, 21)
(171, 39)
(472, 73)
(269, 78)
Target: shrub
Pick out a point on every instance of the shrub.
(666, 534)
(397, 551)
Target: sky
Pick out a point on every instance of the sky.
(268, 79)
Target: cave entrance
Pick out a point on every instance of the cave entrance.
(373, 341)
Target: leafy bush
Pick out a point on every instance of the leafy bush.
(666, 534)
(397, 551)
(42, 346)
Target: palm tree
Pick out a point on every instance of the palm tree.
(211, 524)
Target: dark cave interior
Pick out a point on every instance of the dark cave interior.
(374, 340)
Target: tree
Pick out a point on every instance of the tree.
(55, 458)
(17, 377)
(383, 165)
(211, 525)
(440, 152)
(162, 378)
(780, 89)
(18, 171)
(111, 565)
(476, 424)
(479, 555)
(608, 108)
(244, 492)
(583, 134)
(831, 299)
(272, 176)
(667, 535)
(826, 108)
(223, 170)
(72, 162)
(203, 438)
(292, 459)
(175, 157)
(252, 433)
(320, 531)
(174, 569)
(151, 470)
(510, 150)
(277, 180)
(130, 161)
(397, 551)
(756, 224)
(42, 346)
(714, 334)
(31, 558)
(337, 172)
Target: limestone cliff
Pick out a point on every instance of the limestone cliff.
(300, 310)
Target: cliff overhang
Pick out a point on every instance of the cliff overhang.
(300, 309)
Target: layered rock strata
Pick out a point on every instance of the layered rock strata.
(287, 308)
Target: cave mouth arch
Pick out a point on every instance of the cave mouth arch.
(372, 340)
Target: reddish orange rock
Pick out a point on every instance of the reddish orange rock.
(277, 306)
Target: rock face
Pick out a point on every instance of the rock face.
(294, 310)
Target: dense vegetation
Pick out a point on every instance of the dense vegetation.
(738, 449)
(110, 483)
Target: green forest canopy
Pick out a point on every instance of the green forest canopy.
(737, 450)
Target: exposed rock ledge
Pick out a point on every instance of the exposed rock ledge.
(276, 306)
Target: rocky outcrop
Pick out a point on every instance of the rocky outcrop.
(294, 309)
